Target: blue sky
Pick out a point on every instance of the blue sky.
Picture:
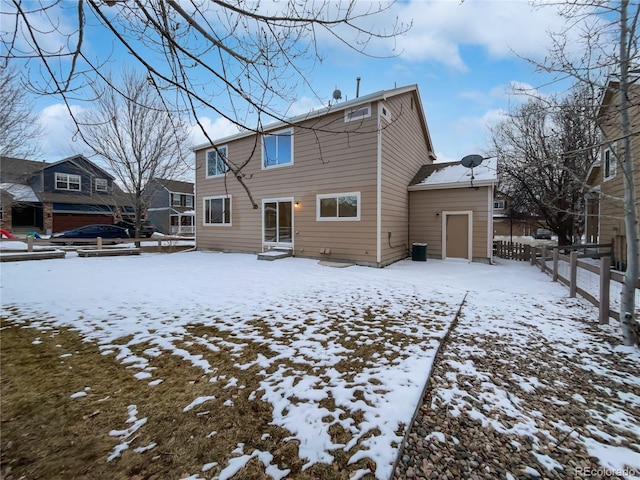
(464, 57)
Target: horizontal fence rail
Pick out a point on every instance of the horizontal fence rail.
(564, 263)
(161, 244)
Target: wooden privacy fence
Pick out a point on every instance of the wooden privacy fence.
(512, 251)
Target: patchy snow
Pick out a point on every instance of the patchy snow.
(198, 401)
(306, 313)
(124, 434)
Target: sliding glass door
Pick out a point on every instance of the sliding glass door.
(277, 222)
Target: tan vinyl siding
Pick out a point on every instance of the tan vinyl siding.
(611, 220)
(325, 161)
(404, 151)
(426, 207)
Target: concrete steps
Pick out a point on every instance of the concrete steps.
(274, 255)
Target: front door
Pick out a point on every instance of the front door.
(457, 236)
(277, 221)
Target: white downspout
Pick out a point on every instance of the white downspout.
(379, 191)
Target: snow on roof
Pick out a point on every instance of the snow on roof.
(456, 174)
(20, 193)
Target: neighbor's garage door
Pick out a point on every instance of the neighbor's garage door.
(68, 221)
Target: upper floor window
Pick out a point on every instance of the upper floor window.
(216, 161)
(189, 201)
(175, 200)
(338, 206)
(277, 149)
(357, 113)
(66, 181)
(101, 185)
(217, 211)
(610, 161)
(498, 204)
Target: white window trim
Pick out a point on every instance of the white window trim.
(204, 211)
(206, 161)
(106, 185)
(385, 112)
(443, 239)
(348, 113)
(498, 204)
(613, 163)
(337, 197)
(279, 165)
(68, 181)
(189, 201)
(173, 197)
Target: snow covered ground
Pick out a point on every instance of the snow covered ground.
(310, 315)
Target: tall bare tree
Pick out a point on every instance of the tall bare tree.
(545, 149)
(607, 47)
(132, 132)
(20, 128)
(251, 56)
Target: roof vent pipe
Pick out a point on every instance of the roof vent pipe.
(357, 87)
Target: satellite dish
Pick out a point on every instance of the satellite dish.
(337, 94)
(471, 161)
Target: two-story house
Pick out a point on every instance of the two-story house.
(605, 195)
(52, 197)
(333, 184)
(171, 206)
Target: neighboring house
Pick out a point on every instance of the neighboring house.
(604, 198)
(512, 224)
(52, 197)
(171, 206)
(452, 212)
(331, 184)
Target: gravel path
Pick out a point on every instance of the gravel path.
(529, 391)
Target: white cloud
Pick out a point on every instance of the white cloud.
(216, 129)
(58, 140)
(304, 105)
(500, 28)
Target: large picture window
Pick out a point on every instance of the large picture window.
(277, 149)
(215, 163)
(338, 206)
(66, 181)
(217, 211)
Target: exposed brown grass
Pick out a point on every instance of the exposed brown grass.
(46, 434)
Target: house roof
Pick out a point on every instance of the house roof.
(337, 107)
(18, 170)
(455, 175)
(176, 186)
(20, 192)
(76, 159)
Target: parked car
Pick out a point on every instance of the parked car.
(111, 232)
(542, 234)
(146, 228)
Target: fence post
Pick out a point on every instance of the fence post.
(556, 252)
(573, 274)
(605, 282)
(543, 263)
(159, 246)
(29, 244)
(99, 243)
(534, 253)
